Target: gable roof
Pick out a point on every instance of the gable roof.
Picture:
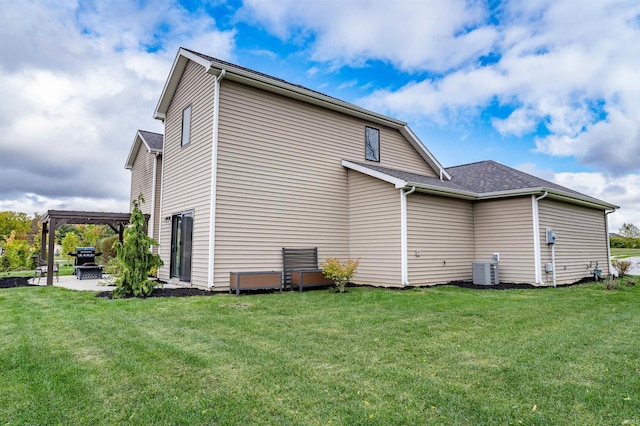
(153, 143)
(480, 181)
(227, 70)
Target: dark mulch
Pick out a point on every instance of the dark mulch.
(168, 292)
(512, 286)
(10, 282)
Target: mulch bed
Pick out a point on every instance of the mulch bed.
(11, 282)
(513, 286)
(190, 291)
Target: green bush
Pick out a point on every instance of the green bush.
(340, 273)
(107, 248)
(623, 242)
(16, 254)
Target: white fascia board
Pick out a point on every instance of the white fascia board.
(437, 190)
(423, 151)
(308, 96)
(399, 183)
(133, 152)
(553, 193)
(170, 86)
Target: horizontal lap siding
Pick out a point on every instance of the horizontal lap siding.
(142, 179)
(374, 230)
(156, 202)
(280, 178)
(439, 239)
(187, 170)
(505, 226)
(581, 240)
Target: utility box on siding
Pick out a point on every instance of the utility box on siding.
(485, 273)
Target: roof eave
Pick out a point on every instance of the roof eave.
(424, 152)
(133, 152)
(170, 86)
(397, 182)
(553, 193)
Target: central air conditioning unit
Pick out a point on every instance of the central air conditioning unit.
(485, 273)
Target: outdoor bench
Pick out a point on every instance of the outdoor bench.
(301, 268)
(255, 280)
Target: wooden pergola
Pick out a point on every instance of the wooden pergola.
(54, 218)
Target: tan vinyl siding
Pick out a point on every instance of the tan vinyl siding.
(374, 230)
(156, 202)
(280, 178)
(581, 240)
(505, 226)
(187, 169)
(142, 179)
(439, 239)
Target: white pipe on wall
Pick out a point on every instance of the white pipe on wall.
(214, 177)
(403, 235)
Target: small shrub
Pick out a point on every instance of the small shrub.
(107, 248)
(610, 283)
(340, 273)
(622, 266)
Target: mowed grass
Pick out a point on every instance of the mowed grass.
(624, 252)
(441, 355)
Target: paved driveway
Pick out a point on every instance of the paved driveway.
(635, 268)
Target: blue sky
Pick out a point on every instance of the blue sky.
(550, 87)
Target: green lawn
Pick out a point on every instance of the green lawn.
(622, 253)
(442, 355)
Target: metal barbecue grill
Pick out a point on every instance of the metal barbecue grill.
(85, 263)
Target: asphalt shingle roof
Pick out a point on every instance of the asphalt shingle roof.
(490, 176)
(154, 140)
(480, 178)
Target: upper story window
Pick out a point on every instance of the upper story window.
(372, 144)
(186, 126)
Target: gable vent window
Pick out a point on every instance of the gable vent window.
(372, 144)
(186, 126)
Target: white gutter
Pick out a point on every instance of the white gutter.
(214, 177)
(536, 236)
(606, 230)
(152, 218)
(403, 235)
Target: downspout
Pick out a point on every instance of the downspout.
(152, 219)
(403, 235)
(606, 230)
(214, 177)
(536, 236)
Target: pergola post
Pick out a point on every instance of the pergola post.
(53, 218)
(43, 245)
(52, 247)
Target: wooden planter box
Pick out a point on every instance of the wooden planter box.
(255, 281)
(306, 278)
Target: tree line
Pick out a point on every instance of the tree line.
(21, 235)
(628, 236)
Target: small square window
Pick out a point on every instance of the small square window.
(186, 126)
(372, 144)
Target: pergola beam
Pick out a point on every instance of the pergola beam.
(54, 218)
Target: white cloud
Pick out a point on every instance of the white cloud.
(410, 34)
(81, 79)
(617, 190)
(572, 68)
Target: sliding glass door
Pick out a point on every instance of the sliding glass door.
(181, 245)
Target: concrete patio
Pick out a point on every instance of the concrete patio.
(73, 283)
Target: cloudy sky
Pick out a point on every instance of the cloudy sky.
(550, 87)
